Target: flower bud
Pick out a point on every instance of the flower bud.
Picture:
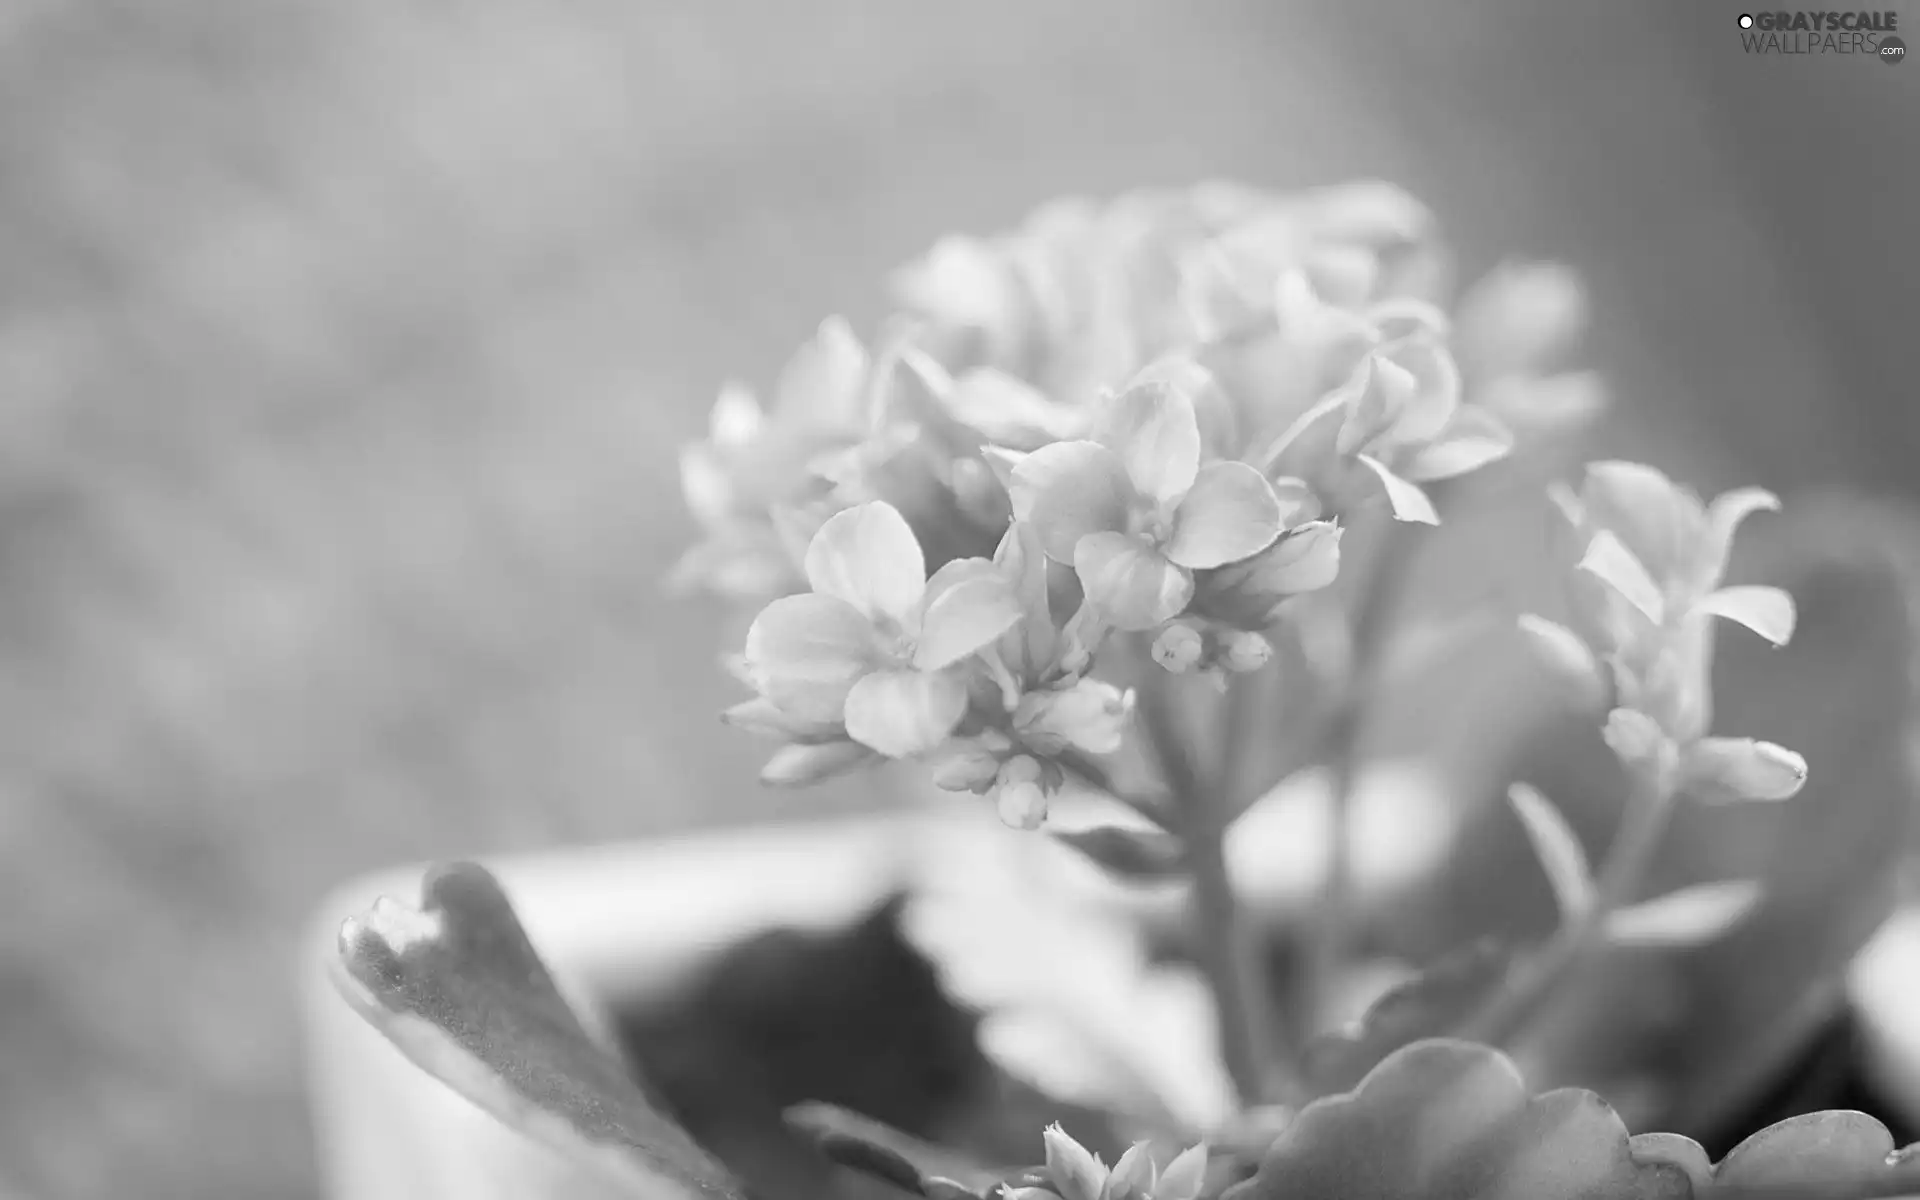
(1642, 745)
(966, 769)
(1345, 274)
(1184, 1177)
(1731, 770)
(1022, 806)
(1178, 647)
(1241, 651)
(764, 717)
(1071, 1167)
(1089, 715)
(800, 766)
(1132, 1177)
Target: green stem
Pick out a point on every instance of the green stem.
(1372, 620)
(1330, 932)
(1228, 947)
(1249, 705)
(1641, 826)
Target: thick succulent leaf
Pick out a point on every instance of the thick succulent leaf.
(456, 986)
(1428, 1005)
(1451, 1120)
(1128, 852)
(872, 1148)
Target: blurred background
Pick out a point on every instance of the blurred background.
(345, 348)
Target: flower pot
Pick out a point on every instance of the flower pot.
(617, 920)
(622, 924)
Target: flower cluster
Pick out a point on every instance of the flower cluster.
(1647, 592)
(1144, 424)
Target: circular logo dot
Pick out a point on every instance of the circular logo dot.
(1746, 20)
(1892, 50)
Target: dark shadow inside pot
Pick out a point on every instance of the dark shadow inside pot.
(855, 1018)
(1830, 1073)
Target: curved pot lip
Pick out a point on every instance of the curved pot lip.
(596, 911)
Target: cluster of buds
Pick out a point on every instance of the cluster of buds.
(1144, 422)
(1072, 1172)
(1647, 592)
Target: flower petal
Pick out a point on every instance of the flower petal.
(1153, 429)
(1069, 490)
(1184, 1176)
(1688, 917)
(1021, 561)
(803, 766)
(1245, 594)
(1230, 513)
(736, 418)
(1346, 275)
(1661, 522)
(1609, 560)
(1129, 583)
(762, 716)
(1132, 1176)
(1012, 412)
(1405, 499)
(1474, 439)
(825, 380)
(1306, 560)
(1002, 462)
(1520, 319)
(867, 556)
(904, 713)
(805, 653)
(1768, 611)
(962, 280)
(918, 391)
(1404, 317)
(963, 617)
(706, 484)
(1306, 320)
(1213, 408)
(1435, 396)
(1092, 716)
(794, 526)
(1298, 504)
(1731, 770)
(1313, 435)
(1075, 1173)
(1724, 517)
(1385, 389)
(1545, 407)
